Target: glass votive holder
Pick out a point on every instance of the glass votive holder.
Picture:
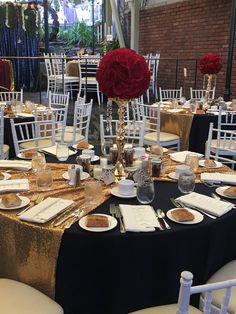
(85, 162)
(113, 155)
(192, 161)
(44, 179)
(146, 165)
(128, 156)
(156, 167)
(103, 161)
(38, 162)
(97, 172)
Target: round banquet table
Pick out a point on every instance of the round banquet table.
(116, 273)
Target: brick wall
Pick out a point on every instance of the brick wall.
(187, 30)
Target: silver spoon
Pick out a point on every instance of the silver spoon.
(162, 215)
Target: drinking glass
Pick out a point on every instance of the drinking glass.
(106, 145)
(186, 182)
(38, 162)
(192, 160)
(145, 191)
(44, 179)
(92, 192)
(62, 151)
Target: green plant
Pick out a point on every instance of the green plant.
(79, 33)
(110, 45)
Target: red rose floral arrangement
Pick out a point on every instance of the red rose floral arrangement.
(122, 75)
(210, 64)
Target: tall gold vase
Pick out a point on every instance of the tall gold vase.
(208, 89)
(120, 135)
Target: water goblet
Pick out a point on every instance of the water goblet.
(62, 151)
(145, 190)
(186, 182)
(106, 145)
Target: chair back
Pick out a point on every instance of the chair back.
(58, 63)
(82, 117)
(186, 290)
(12, 96)
(134, 130)
(226, 119)
(58, 100)
(1, 132)
(221, 144)
(197, 94)
(167, 94)
(36, 134)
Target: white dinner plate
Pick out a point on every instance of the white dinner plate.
(173, 176)
(6, 175)
(95, 158)
(220, 190)
(198, 217)
(115, 192)
(218, 164)
(84, 175)
(24, 202)
(89, 147)
(165, 150)
(21, 156)
(111, 220)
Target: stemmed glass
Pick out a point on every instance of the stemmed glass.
(186, 182)
(145, 190)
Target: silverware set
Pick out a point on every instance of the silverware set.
(115, 212)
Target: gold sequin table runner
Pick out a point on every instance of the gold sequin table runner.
(29, 251)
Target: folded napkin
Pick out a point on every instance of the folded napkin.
(139, 218)
(205, 203)
(15, 185)
(46, 210)
(53, 151)
(219, 177)
(16, 164)
(180, 156)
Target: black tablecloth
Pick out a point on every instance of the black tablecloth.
(117, 273)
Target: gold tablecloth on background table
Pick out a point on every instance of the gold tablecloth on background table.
(179, 124)
(29, 251)
(72, 68)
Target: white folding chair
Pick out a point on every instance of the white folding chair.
(11, 96)
(167, 94)
(88, 81)
(17, 297)
(153, 134)
(221, 145)
(51, 79)
(4, 149)
(153, 64)
(134, 130)
(197, 94)
(36, 134)
(185, 292)
(81, 121)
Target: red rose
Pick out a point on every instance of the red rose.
(210, 64)
(123, 73)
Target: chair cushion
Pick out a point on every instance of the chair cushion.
(69, 128)
(68, 137)
(227, 146)
(16, 297)
(164, 137)
(165, 309)
(6, 149)
(227, 272)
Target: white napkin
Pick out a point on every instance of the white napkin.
(16, 164)
(15, 185)
(206, 203)
(53, 151)
(139, 218)
(46, 210)
(180, 156)
(219, 177)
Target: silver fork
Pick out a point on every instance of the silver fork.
(112, 209)
(119, 216)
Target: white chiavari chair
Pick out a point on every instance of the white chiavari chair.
(221, 145)
(11, 96)
(153, 134)
(153, 60)
(81, 122)
(167, 94)
(197, 94)
(186, 290)
(36, 134)
(17, 297)
(134, 130)
(4, 149)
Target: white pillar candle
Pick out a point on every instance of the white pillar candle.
(103, 162)
(185, 72)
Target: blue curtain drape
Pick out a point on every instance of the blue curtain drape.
(17, 42)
